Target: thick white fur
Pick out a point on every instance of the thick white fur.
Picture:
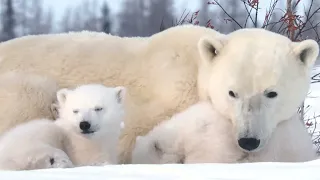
(202, 135)
(25, 97)
(171, 70)
(32, 145)
(251, 63)
(100, 146)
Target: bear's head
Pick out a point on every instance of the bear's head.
(255, 78)
(92, 108)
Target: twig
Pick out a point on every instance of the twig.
(308, 16)
(227, 13)
(316, 78)
(249, 14)
(269, 14)
(256, 18)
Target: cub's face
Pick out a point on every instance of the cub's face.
(257, 79)
(89, 109)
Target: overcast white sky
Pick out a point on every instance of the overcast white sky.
(59, 6)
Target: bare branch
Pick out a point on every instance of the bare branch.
(269, 14)
(249, 13)
(308, 18)
(227, 13)
(256, 18)
(312, 27)
(316, 78)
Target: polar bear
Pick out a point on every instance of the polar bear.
(202, 135)
(249, 75)
(25, 97)
(91, 116)
(36, 144)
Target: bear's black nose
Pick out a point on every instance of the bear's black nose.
(249, 144)
(84, 125)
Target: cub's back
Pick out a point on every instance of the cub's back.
(28, 134)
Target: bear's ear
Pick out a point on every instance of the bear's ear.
(120, 93)
(209, 47)
(62, 96)
(306, 51)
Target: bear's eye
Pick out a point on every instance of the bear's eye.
(51, 161)
(98, 109)
(233, 94)
(271, 94)
(75, 111)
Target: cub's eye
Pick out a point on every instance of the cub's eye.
(98, 109)
(233, 94)
(271, 94)
(75, 111)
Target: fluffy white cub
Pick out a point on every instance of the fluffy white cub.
(92, 116)
(202, 135)
(37, 144)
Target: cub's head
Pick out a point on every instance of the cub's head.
(157, 147)
(48, 157)
(255, 78)
(91, 108)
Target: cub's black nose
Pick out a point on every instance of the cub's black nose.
(84, 125)
(249, 144)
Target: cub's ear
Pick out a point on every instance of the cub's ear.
(62, 95)
(306, 51)
(55, 110)
(209, 47)
(120, 93)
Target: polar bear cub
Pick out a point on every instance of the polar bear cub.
(197, 134)
(92, 116)
(37, 144)
(202, 135)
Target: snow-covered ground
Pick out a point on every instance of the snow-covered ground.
(254, 171)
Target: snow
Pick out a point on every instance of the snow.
(262, 171)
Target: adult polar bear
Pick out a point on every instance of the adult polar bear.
(241, 73)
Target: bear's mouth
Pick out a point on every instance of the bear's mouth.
(87, 132)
